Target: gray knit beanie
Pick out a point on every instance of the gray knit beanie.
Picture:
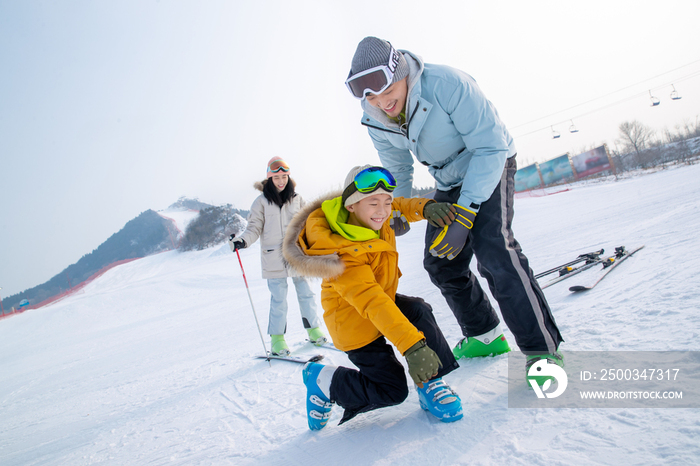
(371, 52)
(357, 196)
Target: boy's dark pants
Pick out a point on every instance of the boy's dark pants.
(381, 380)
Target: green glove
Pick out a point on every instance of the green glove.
(450, 241)
(439, 214)
(423, 363)
(399, 223)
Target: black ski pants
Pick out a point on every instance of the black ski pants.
(506, 269)
(381, 378)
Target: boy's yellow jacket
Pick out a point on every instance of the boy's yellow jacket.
(359, 278)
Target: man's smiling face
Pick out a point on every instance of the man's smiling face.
(393, 100)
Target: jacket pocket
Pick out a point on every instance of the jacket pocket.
(272, 260)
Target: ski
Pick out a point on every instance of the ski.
(570, 272)
(290, 358)
(589, 256)
(328, 344)
(592, 259)
(608, 265)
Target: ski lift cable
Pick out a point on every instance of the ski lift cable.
(611, 93)
(689, 76)
(604, 107)
(586, 113)
(692, 75)
(626, 99)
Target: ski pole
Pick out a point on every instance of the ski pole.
(252, 306)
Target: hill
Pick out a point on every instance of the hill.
(147, 234)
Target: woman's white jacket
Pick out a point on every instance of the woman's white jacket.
(269, 222)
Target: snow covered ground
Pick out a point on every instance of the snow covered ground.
(154, 364)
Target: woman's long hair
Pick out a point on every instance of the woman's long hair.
(278, 197)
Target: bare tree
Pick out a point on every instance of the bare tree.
(692, 128)
(635, 136)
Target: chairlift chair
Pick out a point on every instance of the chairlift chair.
(674, 94)
(654, 100)
(573, 128)
(555, 134)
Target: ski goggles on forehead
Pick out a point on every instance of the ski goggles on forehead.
(374, 80)
(369, 180)
(373, 178)
(278, 165)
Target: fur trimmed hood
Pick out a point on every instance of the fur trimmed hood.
(299, 255)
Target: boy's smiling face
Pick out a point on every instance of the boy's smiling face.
(371, 212)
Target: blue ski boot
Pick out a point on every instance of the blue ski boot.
(438, 398)
(318, 406)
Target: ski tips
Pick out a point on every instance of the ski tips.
(578, 288)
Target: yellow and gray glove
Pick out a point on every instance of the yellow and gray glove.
(450, 241)
(398, 223)
(423, 363)
(439, 214)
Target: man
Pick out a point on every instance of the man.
(439, 114)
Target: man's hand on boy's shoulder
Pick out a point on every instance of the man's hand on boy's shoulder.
(439, 214)
(399, 223)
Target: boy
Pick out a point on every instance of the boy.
(439, 115)
(348, 241)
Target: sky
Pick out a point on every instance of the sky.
(108, 109)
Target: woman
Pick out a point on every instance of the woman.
(269, 216)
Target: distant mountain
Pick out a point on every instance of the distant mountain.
(146, 234)
(185, 203)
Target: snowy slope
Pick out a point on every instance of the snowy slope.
(180, 217)
(153, 364)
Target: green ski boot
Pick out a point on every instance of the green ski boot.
(279, 346)
(553, 358)
(488, 344)
(316, 336)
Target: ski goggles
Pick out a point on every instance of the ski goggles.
(369, 180)
(374, 80)
(278, 165)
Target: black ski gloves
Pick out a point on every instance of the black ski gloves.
(236, 244)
